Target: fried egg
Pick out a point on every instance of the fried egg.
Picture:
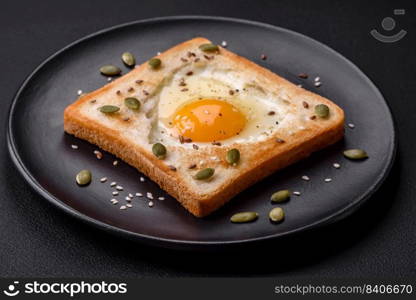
(206, 105)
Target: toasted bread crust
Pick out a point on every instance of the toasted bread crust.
(267, 156)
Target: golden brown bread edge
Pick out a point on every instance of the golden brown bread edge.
(109, 139)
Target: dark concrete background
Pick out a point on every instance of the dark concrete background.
(378, 241)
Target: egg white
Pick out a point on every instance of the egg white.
(208, 82)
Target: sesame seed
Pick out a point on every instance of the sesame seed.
(318, 84)
(123, 207)
(104, 179)
(114, 201)
(328, 180)
(224, 44)
(351, 125)
(115, 193)
(139, 195)
(79, 92)
(115, 163)
(142, 179)
(128, 198)
(306, 178)
(161, 198)
(131, 195)
(109, 79)
(119, 188)
(296, 193)
(151, 204)
(149, 195)
(98, 154)
(336, 165)
(74, 147)
(113, 184)
(317, 79)
(129, 205)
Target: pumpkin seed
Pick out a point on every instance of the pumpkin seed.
(277, 214)
(209, 47)
(280, 196)
(204, 174)
(132, 103)
(355, 154)
(83, 177)
(233, 156)
(244, 217)
(322, 111)
(159, 150)
(110, 70)
(128, 59)
(109, 109)
(155, 63)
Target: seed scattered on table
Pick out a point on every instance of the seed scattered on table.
(127, 198)
(306, 178)
(151, 204)
(351, 125)
(104, 179)
(142, 179)
(318, 84)
(139, 195)
(115, 163)
(131, 195)
(123, 207)
(114, 201)
(296, 193)
(336, 165)
(161, 198)
(119, 188)
(149, 195)
(328, 179)
(317, 79)
(129, 205)
(115, 193)
(113, 184)
(109, 79)
(74, 147)
(79, 92)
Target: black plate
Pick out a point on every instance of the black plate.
(43, 154)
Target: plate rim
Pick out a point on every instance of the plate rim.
(178, 243)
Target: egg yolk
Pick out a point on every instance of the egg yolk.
(208, 120)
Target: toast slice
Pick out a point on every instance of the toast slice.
(130, 134)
